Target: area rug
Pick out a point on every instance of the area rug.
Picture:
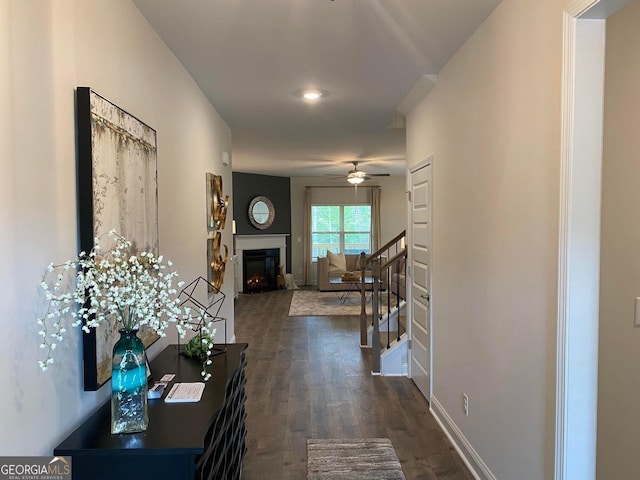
(305, 303)
(351, 459)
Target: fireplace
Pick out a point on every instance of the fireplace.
(260, 268)
(259, 242)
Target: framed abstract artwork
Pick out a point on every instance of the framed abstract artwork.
(117, 190)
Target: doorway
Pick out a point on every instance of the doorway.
(579, 243)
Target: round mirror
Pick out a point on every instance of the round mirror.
(261, 212)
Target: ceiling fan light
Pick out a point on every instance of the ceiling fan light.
(355, 180)
(312, 95)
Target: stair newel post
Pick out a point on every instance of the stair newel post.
(363, 300)
(375, 337)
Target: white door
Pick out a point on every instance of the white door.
(420, 275)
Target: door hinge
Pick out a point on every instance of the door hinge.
(409, 196)
(409, 344)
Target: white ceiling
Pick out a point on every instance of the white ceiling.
(252, 58)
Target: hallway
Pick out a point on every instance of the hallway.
(308, 378)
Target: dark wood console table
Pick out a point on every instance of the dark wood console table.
(204, 440)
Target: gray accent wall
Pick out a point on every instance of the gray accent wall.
(247, 186)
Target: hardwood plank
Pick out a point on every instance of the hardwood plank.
(308, 378)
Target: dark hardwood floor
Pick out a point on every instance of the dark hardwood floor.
(308, 378)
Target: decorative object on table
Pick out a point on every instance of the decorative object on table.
(204, 301)
(350, 276)
(217, 203)
(261, 212)
(198, 346)
(117, 190)
(129, 384)
(116, 285)
(216, 260)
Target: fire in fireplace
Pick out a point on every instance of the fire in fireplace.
(260, 269)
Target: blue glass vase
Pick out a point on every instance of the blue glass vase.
(129, 411)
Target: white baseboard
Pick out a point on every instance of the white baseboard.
(470, 457)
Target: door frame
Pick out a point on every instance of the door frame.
(583, 66)
(423, 163)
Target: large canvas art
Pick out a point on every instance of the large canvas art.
(117, 189)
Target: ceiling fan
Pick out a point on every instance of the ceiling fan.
(356, 176)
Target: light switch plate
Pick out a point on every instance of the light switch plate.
(636, 313)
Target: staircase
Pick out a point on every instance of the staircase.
(384, 331)
(393, 341)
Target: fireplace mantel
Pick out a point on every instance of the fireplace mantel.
(255, 242)
(250, 242)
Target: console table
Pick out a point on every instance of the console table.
(203, 440)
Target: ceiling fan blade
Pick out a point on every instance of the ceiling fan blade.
(378, 174)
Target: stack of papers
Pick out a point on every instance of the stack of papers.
(185, 393)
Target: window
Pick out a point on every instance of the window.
(340, 228)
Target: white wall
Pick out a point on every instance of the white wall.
(492, 123)
(47, 48)
(619, 356)
(392, 208)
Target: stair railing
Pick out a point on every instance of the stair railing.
(392, 267)
(380, 264)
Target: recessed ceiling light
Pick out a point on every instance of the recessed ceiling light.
(311, 95)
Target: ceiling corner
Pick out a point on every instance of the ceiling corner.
(417, 93)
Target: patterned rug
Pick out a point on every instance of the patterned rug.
(351, 459)
(306, 303)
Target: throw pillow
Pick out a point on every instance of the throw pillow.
(336, 262)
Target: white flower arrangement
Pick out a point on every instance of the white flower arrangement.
(134, 288)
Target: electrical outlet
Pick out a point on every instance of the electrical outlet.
(465, 404)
